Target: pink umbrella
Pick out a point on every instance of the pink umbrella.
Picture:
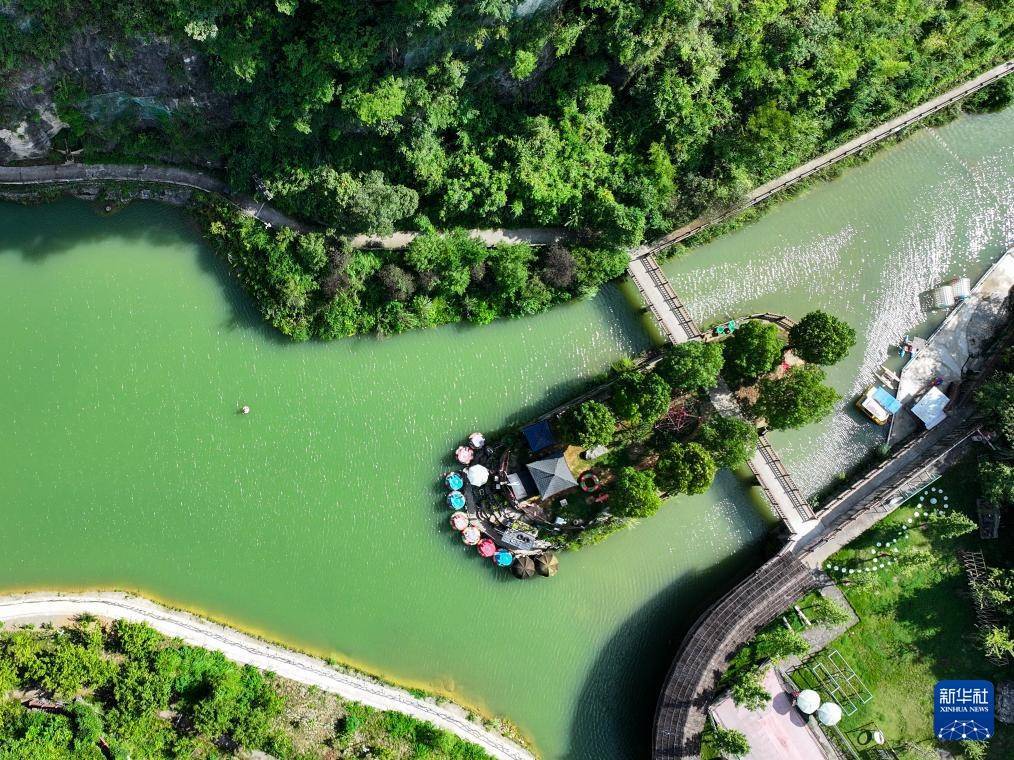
(459, 521)
(486, 548)
(471, 535)
(464, 454)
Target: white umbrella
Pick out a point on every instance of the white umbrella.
(829, 714)
(808, 701)
(478, 440)
(471, 535)
(477, 475)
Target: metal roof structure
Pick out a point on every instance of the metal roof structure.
(552, 475)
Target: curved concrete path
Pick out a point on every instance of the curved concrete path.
(77, 174)
(247, 650)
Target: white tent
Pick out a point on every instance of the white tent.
(829, 714)
(808, 701)
(930, 408)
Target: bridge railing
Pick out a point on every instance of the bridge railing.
(784, 478)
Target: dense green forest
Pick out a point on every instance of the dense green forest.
(121, 690)
(614, 119)
(612, 115)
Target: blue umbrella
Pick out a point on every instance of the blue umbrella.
(456, 499)
(503, 558)
(454, 481)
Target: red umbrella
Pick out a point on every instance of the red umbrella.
(487, 548)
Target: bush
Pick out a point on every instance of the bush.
(779, 643)
(685, 468)
(827, 612)
(692, 366)
(997, 481)
(634, 494)
(796, 399)
(753, 350)
(730, 440)
(641, 398)
(590, 424)
(950, 524)
(821, 338)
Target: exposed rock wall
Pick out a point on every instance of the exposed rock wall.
(145, 80)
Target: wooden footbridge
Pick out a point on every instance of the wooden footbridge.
(671, 315)
(786, 499)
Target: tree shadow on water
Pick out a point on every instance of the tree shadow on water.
(39, 231)
(615, 711)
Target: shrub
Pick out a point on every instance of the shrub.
(591, 424)
(827, 612)
(949, 524)
(777, 644)
(796, 399)
(635, 494)
(997, 481)
(692, 366)
(730, 440)
(753, 350)
(821, 338)
(998, 643)
(685, 468)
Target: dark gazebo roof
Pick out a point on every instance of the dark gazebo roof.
(552, 475)
(539, 436)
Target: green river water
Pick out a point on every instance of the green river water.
(317, 519)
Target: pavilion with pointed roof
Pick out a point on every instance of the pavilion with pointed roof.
(552, 476)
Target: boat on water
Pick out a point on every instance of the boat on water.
(878, 404)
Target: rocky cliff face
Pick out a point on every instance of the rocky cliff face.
(146, 81)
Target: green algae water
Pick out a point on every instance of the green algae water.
(317, 519)
(868, 247)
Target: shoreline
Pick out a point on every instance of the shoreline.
(244, 648)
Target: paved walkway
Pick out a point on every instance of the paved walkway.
(247, 650)
(892, 127)
(76, 174)
(776, 732)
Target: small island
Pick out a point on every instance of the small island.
(655, 427)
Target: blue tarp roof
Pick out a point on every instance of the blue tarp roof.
(539, 436)
(886, 400)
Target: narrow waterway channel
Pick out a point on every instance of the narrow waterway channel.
(865, 247)
(317, 520)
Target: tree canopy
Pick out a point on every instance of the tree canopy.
(730, 440)
(796, 399)
(641, 398)
(634, 494)
(821, 338)
(692, 366)
(591, 424)
(619, 117)
(753, 350)
(685, 468)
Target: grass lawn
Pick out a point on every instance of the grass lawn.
(917, 623)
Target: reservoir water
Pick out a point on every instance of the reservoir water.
(316, 520)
